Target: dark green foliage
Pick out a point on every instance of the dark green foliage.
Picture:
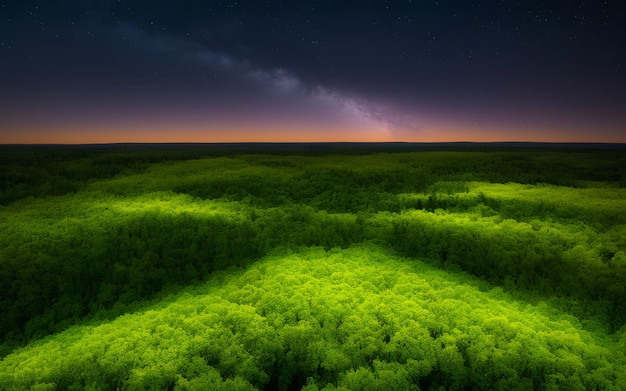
(513, 254)
(88, 235)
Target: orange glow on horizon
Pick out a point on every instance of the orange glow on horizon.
(194, 135)
(450, 132)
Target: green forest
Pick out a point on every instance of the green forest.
(179, 268)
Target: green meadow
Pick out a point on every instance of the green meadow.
(288, 269)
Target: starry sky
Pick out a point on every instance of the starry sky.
(79, 71)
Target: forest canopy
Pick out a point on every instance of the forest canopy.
(295, 269)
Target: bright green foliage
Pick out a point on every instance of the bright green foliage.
(355, 318)
(482, 270)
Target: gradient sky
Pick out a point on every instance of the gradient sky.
(212, 71)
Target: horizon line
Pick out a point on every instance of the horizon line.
(320, 143)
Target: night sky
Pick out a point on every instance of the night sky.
(219, 71)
